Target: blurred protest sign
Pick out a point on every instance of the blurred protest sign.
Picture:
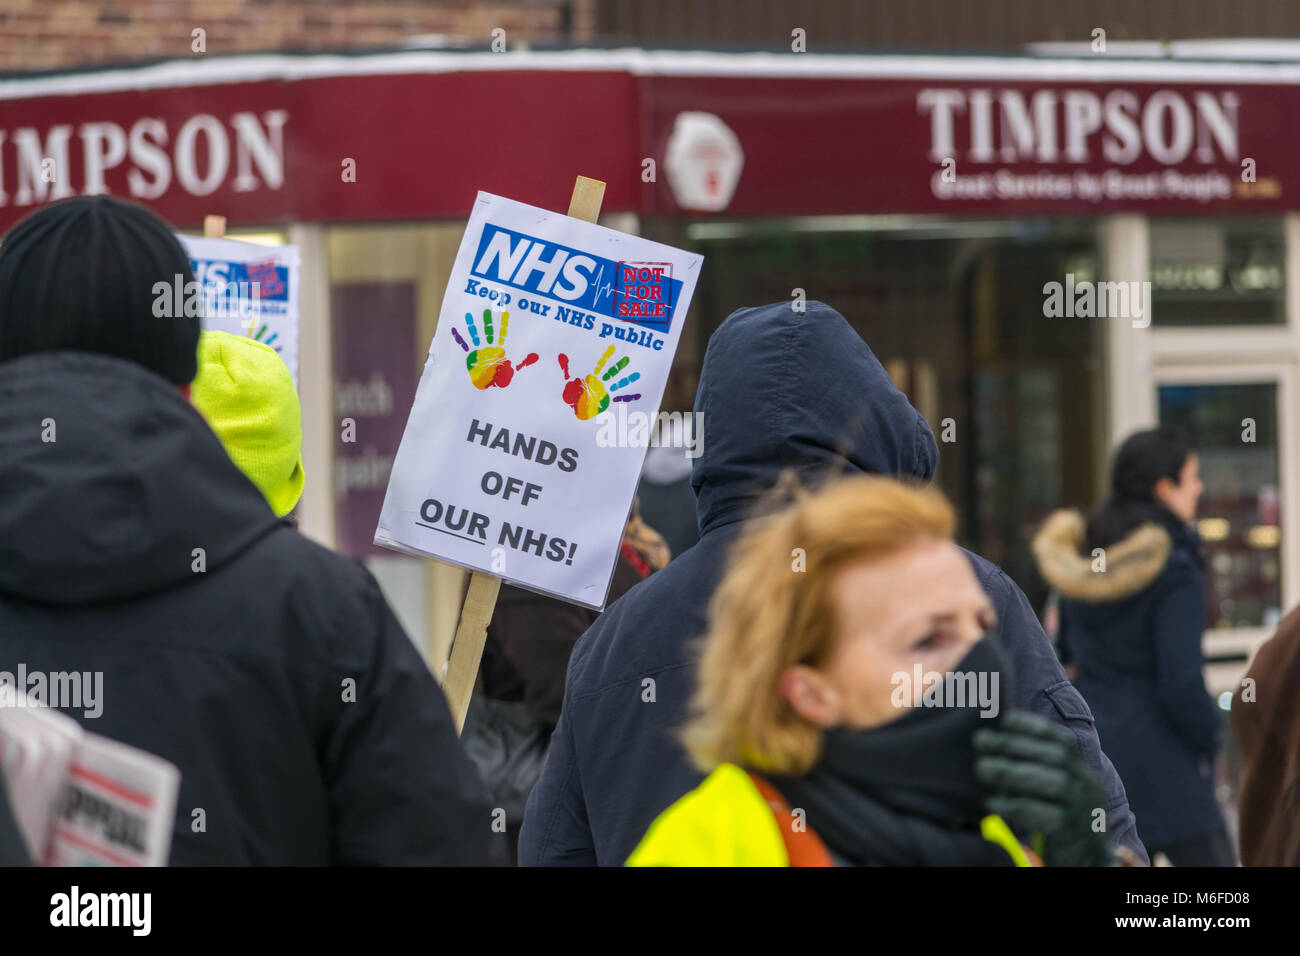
(81, 799)
(248, 289)
(554, 332)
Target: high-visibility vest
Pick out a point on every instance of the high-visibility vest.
(734, 818)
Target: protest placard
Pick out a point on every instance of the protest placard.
(512, 462)
(245, 289)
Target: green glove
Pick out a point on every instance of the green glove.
(1035, 779)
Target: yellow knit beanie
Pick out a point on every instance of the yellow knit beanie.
(245, 392)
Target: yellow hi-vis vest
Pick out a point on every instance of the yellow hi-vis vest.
(726, 821)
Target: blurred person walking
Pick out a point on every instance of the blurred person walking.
(806, 700)
(780, 391)
(1132, 585)
(270, 670)
(1266, 723)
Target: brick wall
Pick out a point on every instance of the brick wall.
(938, 25)
(53, 34)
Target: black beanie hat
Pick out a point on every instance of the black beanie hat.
(80, 274)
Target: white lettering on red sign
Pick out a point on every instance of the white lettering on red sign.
(1078, 126)
(198, 157)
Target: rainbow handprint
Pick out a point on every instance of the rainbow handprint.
(261, 336)
(487, 364)
(588, 396)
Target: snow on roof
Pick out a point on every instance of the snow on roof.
(1233, 62)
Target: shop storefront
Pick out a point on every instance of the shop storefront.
(990, 226)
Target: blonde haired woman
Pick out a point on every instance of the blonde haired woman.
(827, 715)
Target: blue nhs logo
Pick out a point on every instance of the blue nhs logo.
(545, 268)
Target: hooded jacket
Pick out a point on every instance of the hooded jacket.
(779, 390)
(1134, 629)
(270, 670)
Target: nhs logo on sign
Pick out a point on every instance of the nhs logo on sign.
(629, 292)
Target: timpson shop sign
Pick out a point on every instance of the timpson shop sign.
(1203, 140)
(198, 155)
(279, 139)
(980, 139)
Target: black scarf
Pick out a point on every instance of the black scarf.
(905, 794)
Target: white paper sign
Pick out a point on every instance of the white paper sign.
(249, 289)
(554, 335)
(81, 799)
(118, 807)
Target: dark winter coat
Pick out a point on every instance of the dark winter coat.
(1134, 630)
(529, 640)
(229, 644)
(779, 389)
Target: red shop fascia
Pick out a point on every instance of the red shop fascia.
(412, 135)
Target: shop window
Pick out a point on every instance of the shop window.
(1035, 384)
(1218, 272)
(1234, 429)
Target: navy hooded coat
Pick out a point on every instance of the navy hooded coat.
(779, 390)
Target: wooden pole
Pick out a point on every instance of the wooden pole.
(214, 227)
(481, 599)
(588, 194)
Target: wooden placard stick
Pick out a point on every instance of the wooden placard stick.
(481, 599)
(214, 227)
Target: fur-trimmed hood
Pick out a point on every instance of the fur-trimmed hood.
(1131, 564)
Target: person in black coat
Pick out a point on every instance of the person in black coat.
(1132, 588)
(521, 681)
(780, 390)
(270, 670)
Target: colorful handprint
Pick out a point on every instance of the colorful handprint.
(589, 396)
(261, 336)
(487, 364)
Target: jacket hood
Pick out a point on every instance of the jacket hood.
(782, 389)
(109, 480)
(1132, 563)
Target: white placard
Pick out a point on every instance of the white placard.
(249, 289)
(522, 451)
(118, 807)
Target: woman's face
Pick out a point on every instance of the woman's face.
(1181, 498)
(921, 606)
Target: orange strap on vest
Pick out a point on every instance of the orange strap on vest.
(803, 847)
